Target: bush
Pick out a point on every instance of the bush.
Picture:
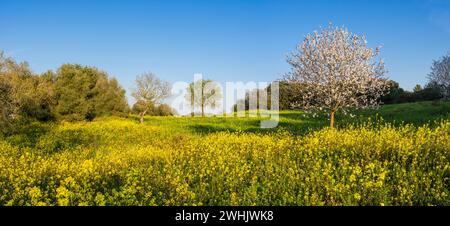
(160, 110)
(398, 95)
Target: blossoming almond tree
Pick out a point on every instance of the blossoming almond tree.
(338, 71)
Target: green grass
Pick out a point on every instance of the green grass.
(418, 113)
(297, 122)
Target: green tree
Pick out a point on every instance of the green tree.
(37, 97)
(23, 93)
(290, 92)
(394, 93)
(7, 108)
(86, 93)
(109, 98)
(165, 110)
(417, 88)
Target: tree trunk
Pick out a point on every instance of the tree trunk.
(203, 111)
(142, 116)
(332, 119)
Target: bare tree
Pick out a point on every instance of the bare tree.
(203, 93)
(150, 91)
(440, 75)
(338, 71)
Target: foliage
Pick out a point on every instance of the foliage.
(7, 107)
(290, 93)
(23, 94)
(160, 110)
(84, 93)
(431, 91)
(72, 93)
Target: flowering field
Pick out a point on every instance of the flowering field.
(230, 161)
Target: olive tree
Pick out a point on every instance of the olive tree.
(7, 108)
(337, 71)
(440, 75)
(149, 91)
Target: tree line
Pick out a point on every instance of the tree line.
(71, 93)
(332, 70)
(76, 93)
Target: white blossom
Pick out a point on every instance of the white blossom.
(338, 71)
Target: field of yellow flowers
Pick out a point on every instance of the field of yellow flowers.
(120, 162)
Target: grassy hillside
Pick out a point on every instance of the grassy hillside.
(419, 113)
(231, 161)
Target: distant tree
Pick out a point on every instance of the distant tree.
(289, 93)
(394, 94)
(203, 94)
(440, 75)
(417, 88)
(252, 100)
(338, 71)
(164, 110)
(161, 110)
(432, 91)
(149, 91)
(139, 107)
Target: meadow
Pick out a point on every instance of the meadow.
(396, 155)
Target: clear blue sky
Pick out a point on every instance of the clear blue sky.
(226, 40)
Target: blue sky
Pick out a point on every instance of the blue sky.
(226, 40)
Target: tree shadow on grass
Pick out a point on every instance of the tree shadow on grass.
(27, 134)
(418, 114)
(293, 122)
